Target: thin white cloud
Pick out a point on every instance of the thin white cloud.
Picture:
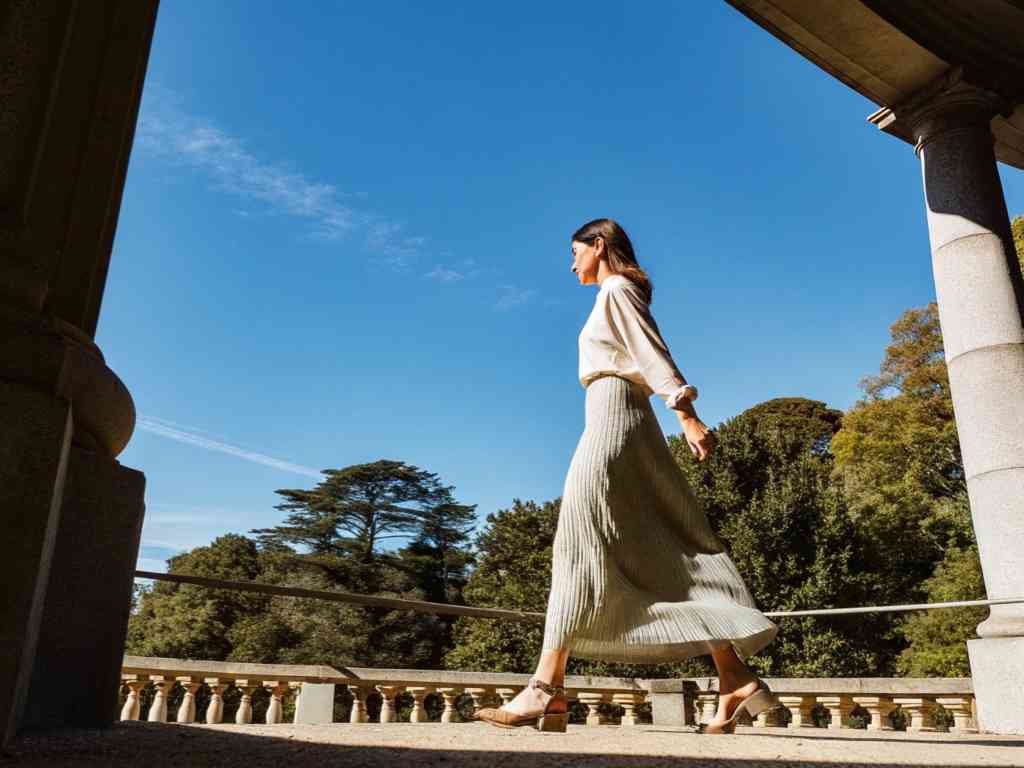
(168, 131)
(169, 430)
(513, 296)
(446, 275)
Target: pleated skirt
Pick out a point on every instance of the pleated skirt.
(637, 573)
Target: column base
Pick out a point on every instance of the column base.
(997, 668)
(77, 670)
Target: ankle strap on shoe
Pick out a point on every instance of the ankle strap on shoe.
(550, 690)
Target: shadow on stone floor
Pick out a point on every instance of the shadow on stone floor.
(821, 734)
(151, 745)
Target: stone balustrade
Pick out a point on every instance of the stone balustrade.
(672, 701)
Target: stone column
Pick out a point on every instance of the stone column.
(419, 712)
(73, 77)
(388, 706)
(879, 708)
(799, 710)
(839, 707)
(707, 701)
(960, 707)
(358, 713)
(187, 709)
(132, 706)
(981, 309)
(450, 714)
(243, 715)
(215, 709)
(628, 702)
(158, 708)
(275, 708)
(592, 700)
(480, 697)
(919, 710)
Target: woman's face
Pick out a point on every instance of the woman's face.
(585, 260)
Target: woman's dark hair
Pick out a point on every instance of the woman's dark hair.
(619, 249)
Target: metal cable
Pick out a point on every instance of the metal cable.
(503, 613)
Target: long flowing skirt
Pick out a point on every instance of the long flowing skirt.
(637, 573)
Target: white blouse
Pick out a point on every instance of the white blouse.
(621, 338)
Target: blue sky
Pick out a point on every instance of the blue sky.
(344, 237)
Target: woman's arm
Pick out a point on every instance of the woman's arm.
(700, 439)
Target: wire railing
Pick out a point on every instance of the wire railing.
(425, 606)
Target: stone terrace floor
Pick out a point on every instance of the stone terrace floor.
(395, 745)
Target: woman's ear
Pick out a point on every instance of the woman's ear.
(599, 247)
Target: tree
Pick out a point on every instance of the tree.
(191, 622)
(1017, 228)
(354, 509)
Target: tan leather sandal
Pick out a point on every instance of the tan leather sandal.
(754, 704)
(542, 721)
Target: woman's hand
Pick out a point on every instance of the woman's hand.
(700, 439)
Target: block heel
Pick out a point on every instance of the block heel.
(553, 722)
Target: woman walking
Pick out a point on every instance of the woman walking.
(637, 573)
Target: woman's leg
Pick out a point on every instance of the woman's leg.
(735, 681)
(550, 669)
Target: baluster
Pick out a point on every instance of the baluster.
(297, 690)
(419, 712)
(708, 703)
(187, 710)
(388, 709)
(769, 718)
(799, 710)
(215, 709)
(879, 708)
(275, 710)
(244, 714)
(628, 702)
(158, 709)
(480, 697)
(450, 714)
(591, 700)
(506, 694)
(132, 703)
(359, 693)
(960, 706)
(839, 707)
(920, 710)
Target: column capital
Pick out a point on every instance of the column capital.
(949, 103)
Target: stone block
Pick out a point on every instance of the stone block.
(997, 666)
(78, 661)
(34, 445)
(315, 705)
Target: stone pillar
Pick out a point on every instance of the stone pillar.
(672, 701)
(450, 714)
(799, 710)
(879, 708)
(388, 706)
(707, 701)
(243, 715)
(132, 706)
(358, 713)
(960, 707)
(73, 74)
(919, 710)
(592, 700)
(275, 708)
(419, 712)
(839, 707)
(215, 709)
(628, 702)
(981, 309)
(480, 697)
(158, 707)
(187, 708)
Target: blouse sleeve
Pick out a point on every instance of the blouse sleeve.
(631, 318)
